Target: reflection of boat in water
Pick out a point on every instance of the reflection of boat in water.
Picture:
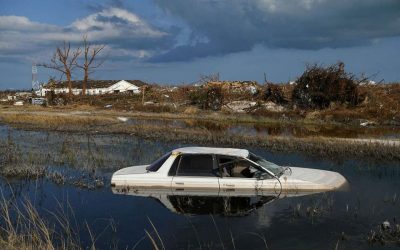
(207, 201)
(223, 205)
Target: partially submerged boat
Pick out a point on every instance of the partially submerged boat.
(226, 170)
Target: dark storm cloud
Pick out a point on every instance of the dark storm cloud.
(239, 25)
(98, 6)
(181, 30)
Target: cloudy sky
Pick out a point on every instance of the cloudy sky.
(176, 41)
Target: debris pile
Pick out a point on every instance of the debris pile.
(319, 86)
(240, 106)
(235, 86)
(207, 97)
(385, 234)
(274, 93)
(273, 107)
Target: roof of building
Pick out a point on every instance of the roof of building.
(218, 151)
(95, 83)
(233, 83)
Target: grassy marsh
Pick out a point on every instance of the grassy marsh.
(87, 124)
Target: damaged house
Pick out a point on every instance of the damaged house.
(94, 87)
(235, 86)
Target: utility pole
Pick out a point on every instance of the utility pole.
(143, 90)
(35, 82)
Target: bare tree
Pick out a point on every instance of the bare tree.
(89, 63)
(64, 61)
(209, 78)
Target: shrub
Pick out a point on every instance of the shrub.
(57, 99)
(198, 97)
(273, 93)
(207, 98)
(214, 98)
(154, 108)
(319, 86)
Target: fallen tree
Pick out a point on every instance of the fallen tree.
(319, 86)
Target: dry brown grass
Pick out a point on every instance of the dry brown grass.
(24, 228)
(379, 103)
(105, 121)
(54, 121)
(191, 111)
(75, 110)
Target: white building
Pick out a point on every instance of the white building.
(95, 87)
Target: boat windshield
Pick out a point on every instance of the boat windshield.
(276, 169)
(158, 163)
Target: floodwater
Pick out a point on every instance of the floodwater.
(318, 221)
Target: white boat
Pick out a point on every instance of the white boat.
(225, 170)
